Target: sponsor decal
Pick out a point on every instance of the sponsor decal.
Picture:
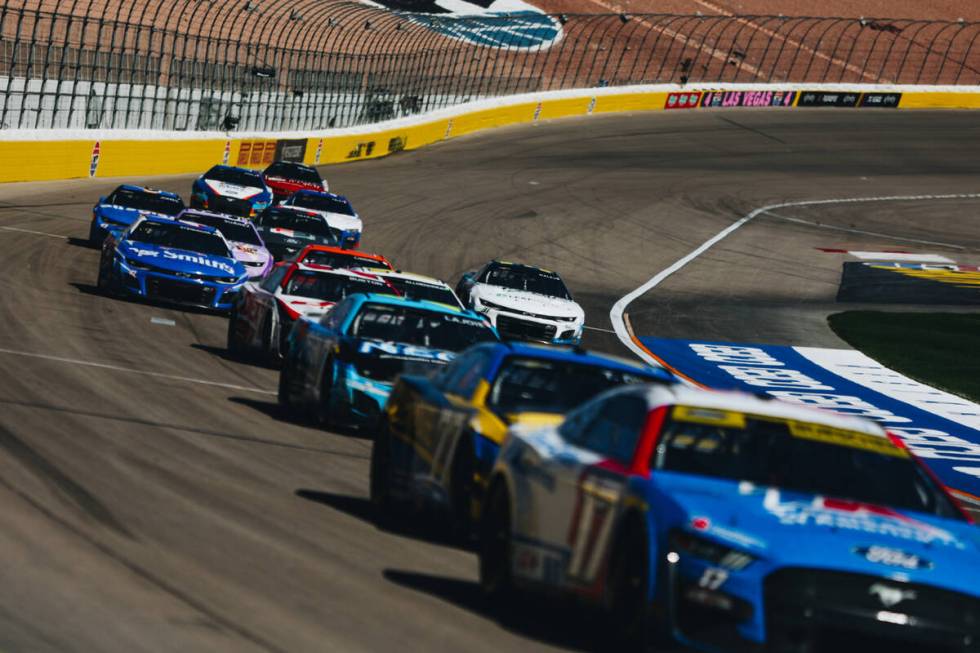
(683, 100)
(255, 153)
(906, 282)
(537, 112)
(397, 143)
(227, 154)
(362, 149)
(892, 557)
(880, 100)
(293, 150)
(829, 99)
(591, 105)
(449, 128)
(940, 428)
(93, 165)
(403, 350)
(232, 190)
(319, 151)
(725, 99)
(891, 596)
(197, 259)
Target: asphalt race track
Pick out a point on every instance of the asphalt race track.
(151, 498)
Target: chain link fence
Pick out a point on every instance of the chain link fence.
(230, 65)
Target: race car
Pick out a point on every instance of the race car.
(241, 234)
(340, 370)
(286, 231)
(337, 257)
(336, 209)
(438, 438)
(226, 189)
(171, 261)
(121, 207)
(524, 302)
(733, 523)
(285, 178)
(266, 311)
(417, 286)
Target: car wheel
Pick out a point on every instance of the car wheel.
(270, 342)
(380, 477)
(322, 411)
(234, 341)
(495, 547)
(628, 600)
(461, 488)
(285, 394)
(106, 280)
(94, 236)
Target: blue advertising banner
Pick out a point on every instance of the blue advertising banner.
(941, 428)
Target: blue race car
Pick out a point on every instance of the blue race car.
(341, 368)
(171, 261)
(734, 524)
(236, 191)
(122, 206)
(445, 461)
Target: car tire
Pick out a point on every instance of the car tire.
(94, 236)
(235, 348)
(380, 478)
(285, 387)
(322, 410)
(495, 554)
(629, 608)
(106, 280)
(461, 488)
(270, 342)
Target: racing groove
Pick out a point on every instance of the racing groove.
(157, 512)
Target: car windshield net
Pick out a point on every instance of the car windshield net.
(235, 176)
(325, 203)
(529, 279)
(293, 172)
(179, 236)
(417, 290)
(312, 224)
(144, 201)
(233, 230)
(337, 260)
(330, 287)
(798, 457)
(536, 385)
(419, 327)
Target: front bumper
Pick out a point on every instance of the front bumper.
(219, 204)
(364, 398)
(100, 226)
(520, 326)
(176, 289)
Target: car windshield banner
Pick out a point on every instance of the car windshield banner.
(940, 428)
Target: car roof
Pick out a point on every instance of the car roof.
(326, 269)
(146, 189)
(579, 355)
(399, 274)
(424, 304)
(521, 266)
(749, 404)
(310, 191)
(222, 166)
(340, 250)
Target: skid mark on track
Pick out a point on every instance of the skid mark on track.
(130, 370)
(862, 232)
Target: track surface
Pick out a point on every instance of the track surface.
(156, 512)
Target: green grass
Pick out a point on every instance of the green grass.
(939, 349)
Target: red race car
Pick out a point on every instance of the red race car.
(286, 177)
(336, 257)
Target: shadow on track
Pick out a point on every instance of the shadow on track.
(274, 410)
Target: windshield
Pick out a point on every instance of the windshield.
(416, 326)
(330, 287)
(144, 201)
(418, 290)
(529, 279)
(304, 223)
(293, 171)
(550, 386)
(800, 457)
(235, 176)
(337, 260)
(179, 236)
(233, 230)
(323, 202)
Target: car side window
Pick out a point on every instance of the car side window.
(571, 429)
(467, 375)
(615, 428)
(335, 317)
(271, 282)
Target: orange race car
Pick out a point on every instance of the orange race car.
(336, 257)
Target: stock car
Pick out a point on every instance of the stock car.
(418, 286)
(285, 178)
(227, 189)
(286, 231)
(246, 244)
(734, 523)
(171, 261)
(337, 257)
(438, 438)
(341, 369)
(336, 209)
(524, 302)
(266, 311)
(122, 206)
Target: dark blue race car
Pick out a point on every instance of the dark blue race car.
(121, 207)
(340, 369)
(171, 261)
(227, 189)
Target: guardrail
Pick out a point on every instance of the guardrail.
(191, 65)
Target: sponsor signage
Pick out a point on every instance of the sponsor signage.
(940, 428)
(256, 153)
(291, 150)
(724, 99)
(829, 99)
(880, 100)
(892, 557)
(684, 100)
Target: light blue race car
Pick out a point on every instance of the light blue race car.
(171, 261)
(340, 369)
(121, 207)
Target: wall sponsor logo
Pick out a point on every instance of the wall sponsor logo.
(93, 165)
(397, 143)
(683, 100)
(726, 99)
(940, 428)
(291, 150)
(829, 99)
(256, 153)
(361, 150)
(880, 100)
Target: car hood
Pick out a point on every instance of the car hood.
(289, 186)
(528, 302)
(308, 307)
(339, 221)
(792, 529)
(179, 260)
(248, 253)
(125, 214)
(224, 189)
(279, 236)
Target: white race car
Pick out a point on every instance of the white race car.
(524, 302)
(336, 209)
